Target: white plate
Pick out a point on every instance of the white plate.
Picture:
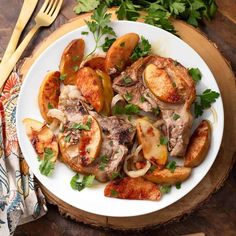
(92, 199)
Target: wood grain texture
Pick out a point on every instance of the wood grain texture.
(217, 174)
(218, 215)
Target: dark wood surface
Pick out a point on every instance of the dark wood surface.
(218, 215)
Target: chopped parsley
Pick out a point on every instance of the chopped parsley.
(176, 116)
(114, 175)
(63, 77)
(75, 58)
(171, 166)
(163, 140)
(84, 32)
(114, 193)
(142, 99)
(165, 189)
(122, 44)
(195, 74)
(129, 109)
(81, 126)
(50, 106)
(151, 169)
(46, 166)
(127, 80)
(107, 43)
(87, 181)
(67, 138)
(103, 163)
(178, 185)
(156, 111)
(75, 68)
(128, 97)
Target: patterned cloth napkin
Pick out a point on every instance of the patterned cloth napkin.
(21, 199)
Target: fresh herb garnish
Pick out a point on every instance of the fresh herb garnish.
(50, 106)
(127, 80)
(141, 50)
(156, 111)
(128, 97)
(75, 58)
(87, 181)
(151, 169)
(107, 43)
(171, 166)
(84, 32)
(129, 109)
(165, 189)
(196, 74)
(103, 162)
(46, 166)
(163, 140)
(85, 6)
(75, 68)
(122, 44)
(114, 193)
(175, 116)
(99, 25)
(63, 77)
(128, 10)
(142, 99)
(114, 175)
(204, 101)
(81, 126)
(67, 138)
(178, 185)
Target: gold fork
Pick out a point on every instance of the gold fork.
(45, 17)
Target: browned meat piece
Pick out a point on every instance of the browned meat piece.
(177, 116)
(133, 188)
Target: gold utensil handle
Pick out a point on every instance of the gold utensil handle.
(25, 14)
(7, 67)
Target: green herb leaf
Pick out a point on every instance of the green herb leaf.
(142, 99)
(67, 138)
(128, 97)
(103, 162)
(141, 50)
(129, 109)
(46, 166)
(84, 32)
(128, 10)
(156, 111)
(165, 189)
(114, 193)
(50, 106)
(163, 140)
(81, 126)
(87, 181)
(178, 185)
(114, 175)
(176, 116)
(85, 6)
(63, 77)
(171, 166)
(75, 68)
(206, 99)
(196, 74)
(151, 169)
(127, 80)
(107, 43)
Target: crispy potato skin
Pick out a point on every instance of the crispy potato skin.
(41, 137)
(133, 188)
(118, 54)
(198, 145)
(90, 85)
(96, 63)
(49, 94)
(149, 138)
(165, 176)
(71, 59)
(107, 92)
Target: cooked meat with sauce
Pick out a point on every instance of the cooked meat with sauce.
(133, 188)
(175, 110)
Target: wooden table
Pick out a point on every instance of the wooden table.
(218, 215)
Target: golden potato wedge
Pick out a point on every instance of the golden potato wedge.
(160, 84)
(165, 176)
(96, 63)
(198, 145)
(150, 137)
(107, 92)
(70, 61)
(90, 85)
(49, 94)
(119, 53)
(41, 137)
(133, 188)
(85, 149)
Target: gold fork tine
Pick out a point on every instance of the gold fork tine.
(46, 15)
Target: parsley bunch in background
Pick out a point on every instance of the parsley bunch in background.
(156, 12)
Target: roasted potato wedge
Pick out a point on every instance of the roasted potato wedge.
(70, 61)
(133, 188)
(149, 137)
(198, 145)
(90, 85)
(107, 92)
(119, 53)
(96, 63)
(165, 176)
(41, 137)
(86, 149)
(49, 94)
(160, 84)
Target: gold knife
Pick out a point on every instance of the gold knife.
(25, 14)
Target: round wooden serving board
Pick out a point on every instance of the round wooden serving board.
(222, 165)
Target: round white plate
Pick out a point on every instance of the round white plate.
(92, 199)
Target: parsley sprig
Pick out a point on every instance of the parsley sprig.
(87, 181)
(99, 25)
(46, 166)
